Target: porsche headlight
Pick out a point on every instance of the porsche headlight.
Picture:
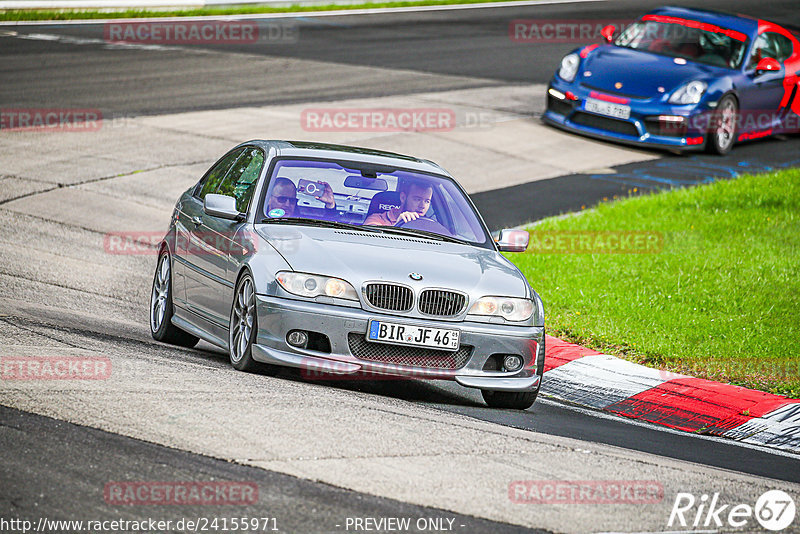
(511, 309)
(689, 93)
(569, 67)
(314, 285)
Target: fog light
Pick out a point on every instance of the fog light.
(512, 362)
(297, 338)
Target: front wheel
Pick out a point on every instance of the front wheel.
(161, 327)
(723, 132)
(510, 399)
(243, 326)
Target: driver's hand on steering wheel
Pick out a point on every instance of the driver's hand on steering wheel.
(407, 216)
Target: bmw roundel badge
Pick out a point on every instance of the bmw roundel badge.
(415, 276)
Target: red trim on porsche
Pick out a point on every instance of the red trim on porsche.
(585, 51)
(609, 98)
(739, 36)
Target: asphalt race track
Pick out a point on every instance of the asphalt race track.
(319, 452)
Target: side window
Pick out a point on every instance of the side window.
(213, 177)
(772, 45)
(784, 46)
(240, 181)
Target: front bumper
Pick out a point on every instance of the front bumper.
(278, 316)
(640, 129)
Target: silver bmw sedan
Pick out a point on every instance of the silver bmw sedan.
(348, 262)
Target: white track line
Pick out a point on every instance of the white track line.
(305, 14)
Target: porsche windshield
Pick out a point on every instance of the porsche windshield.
(372, 196)
(687, 39)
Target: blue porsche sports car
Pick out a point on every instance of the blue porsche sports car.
(681, 78)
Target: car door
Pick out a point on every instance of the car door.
(192, 250)
(760, 99)
(239, 183)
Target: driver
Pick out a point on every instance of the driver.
(284, 196)
(415, 199)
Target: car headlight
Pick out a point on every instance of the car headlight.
(511, 309)
(689, 93)
(314, 285)
(569, 67)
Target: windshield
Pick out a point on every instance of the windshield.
(691, 40)
(373, 197)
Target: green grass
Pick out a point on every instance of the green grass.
(721, 300)
(37, 14)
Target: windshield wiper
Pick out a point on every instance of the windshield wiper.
(422, 233)
(319, 222)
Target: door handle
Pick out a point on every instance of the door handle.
(197, 221)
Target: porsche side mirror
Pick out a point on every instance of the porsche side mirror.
(767, 64)
(221, 206)
(513, 240)
(608, 32)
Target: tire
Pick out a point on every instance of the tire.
(510, 399)
(722, 134)
(161, 327)
(243, 326)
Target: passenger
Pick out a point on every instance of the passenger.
(284, 196)
(415, 199)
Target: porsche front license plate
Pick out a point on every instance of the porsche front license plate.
(607, 108)
(418, 336)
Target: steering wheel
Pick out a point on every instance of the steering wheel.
(426, 224)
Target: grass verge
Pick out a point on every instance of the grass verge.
(37, 14)
(717, 297)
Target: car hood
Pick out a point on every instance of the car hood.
(641, 73)
(362, 256)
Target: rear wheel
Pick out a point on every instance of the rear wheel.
(243, 326)
(161, 326)
(510, 399)
(723, 132)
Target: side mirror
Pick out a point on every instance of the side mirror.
(221, 206)
(513, 240)
(767, 64)
(608, 32)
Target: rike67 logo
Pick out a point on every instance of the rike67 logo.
(774, 510)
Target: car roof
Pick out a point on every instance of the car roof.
(348, 153)
(740, 23)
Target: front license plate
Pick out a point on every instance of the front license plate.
(607, 108)
(418, 336)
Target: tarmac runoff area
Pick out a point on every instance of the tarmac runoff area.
(64, 294)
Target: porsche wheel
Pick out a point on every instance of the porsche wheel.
(723, 133)
(161, 327)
